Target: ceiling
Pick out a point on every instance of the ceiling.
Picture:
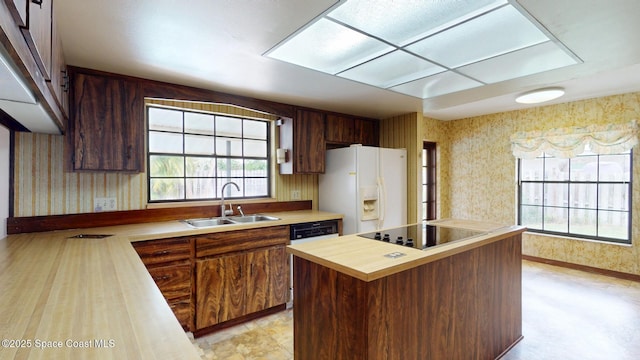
(219, 45)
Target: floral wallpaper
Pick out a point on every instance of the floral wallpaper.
(478, 172)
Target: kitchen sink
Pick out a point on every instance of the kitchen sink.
(217, 221)
(207, 222)
(252, 218)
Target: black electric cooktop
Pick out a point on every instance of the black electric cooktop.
(421, 236)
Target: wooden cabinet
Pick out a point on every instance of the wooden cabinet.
(239, 273)
(170, 263)
(304, 137)
(347, 130)
(59, 83)
(18, 9)
(37, 33)
(106, 125)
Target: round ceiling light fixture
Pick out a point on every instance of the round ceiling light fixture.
(540, 95)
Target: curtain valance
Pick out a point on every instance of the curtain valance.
(569, 142)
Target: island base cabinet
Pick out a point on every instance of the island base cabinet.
(237, 284)
(465, 306)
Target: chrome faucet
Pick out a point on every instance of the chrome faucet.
(223, 210)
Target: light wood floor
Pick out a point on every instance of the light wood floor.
(567, 315)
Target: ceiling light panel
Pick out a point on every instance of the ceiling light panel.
(392, 69)
(495, 33)
(532, 60)
(401, 22)
(435, 85)
(329, 47)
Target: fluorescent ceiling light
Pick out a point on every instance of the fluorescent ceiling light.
(415, 47)
(540, 95)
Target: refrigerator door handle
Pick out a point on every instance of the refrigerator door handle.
(382, 197)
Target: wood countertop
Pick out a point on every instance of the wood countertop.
(64, 298)
(364, 258)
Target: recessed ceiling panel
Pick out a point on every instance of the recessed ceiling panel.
(329, 47)
(436, 85)
(401, 22)
(392, 69)
(532, 60)
(495, 33)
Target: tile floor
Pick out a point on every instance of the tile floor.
(567, 314)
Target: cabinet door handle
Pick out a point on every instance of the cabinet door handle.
(37, 2)
(65, 81)
(163, 252)
(129, 149)
(160, 278)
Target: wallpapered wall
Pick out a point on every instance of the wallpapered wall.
(481, 173)
(42, 187)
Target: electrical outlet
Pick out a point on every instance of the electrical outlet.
(295, 194)
(105, 204)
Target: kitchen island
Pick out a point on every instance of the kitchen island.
(358, 298)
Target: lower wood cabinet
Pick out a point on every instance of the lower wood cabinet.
(241, 272)
(170, 264)
(211, 278)
(234, 285)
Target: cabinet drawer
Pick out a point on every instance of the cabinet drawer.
(182, 311)
(173, 281)
(162, 251)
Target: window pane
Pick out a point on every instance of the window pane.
(583, 222)
(165, 120)
(256, 187)
(255, 129)
(614, 167)
(199, 145)
(257, 148)
(556, 169)
(556, 219)
(230, 191)
(613, 197)
(584, 168)
(613, 224)
(200, 188)
(226, 126)
(227, 146)
(166, 166)
(584, 195)
(556, 194)
(531, 194)
(531, 216)
(255, 168)
(199, 123)
(200, 167)
(166, 189)
(230, 167)
(165, 142)
(531, 169)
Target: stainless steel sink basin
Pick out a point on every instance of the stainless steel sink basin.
(207, 222)
(252, 218)
(217, 221)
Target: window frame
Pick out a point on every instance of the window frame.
(215, 157)
(568, 182)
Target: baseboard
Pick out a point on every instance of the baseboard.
(589, 269)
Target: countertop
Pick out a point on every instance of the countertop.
(75, 298)
(364, 258)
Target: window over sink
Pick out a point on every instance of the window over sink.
(192, 154)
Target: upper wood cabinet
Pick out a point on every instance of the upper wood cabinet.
(106, 125)
(59, 83)
(304, 138)
(37, 32)
(346, 130)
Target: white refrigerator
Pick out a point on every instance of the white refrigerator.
(367, 184)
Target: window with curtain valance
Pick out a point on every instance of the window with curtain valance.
(570, 142)
(577, 181)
